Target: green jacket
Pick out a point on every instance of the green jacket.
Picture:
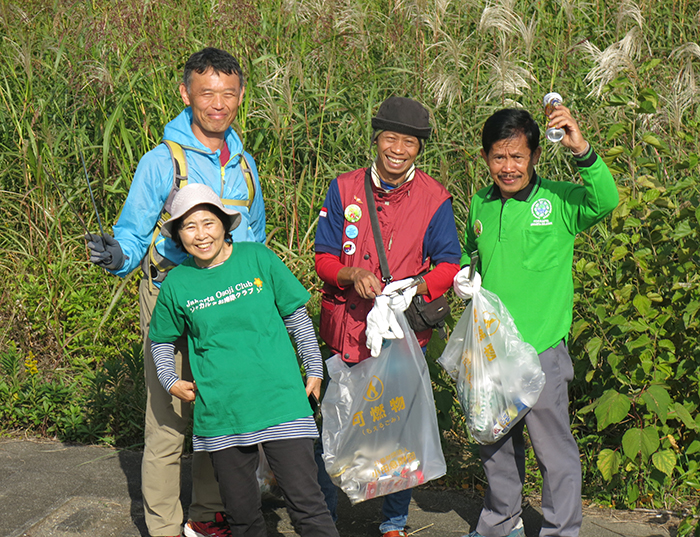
(526, 246)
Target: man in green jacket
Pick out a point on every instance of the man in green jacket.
(524, 228)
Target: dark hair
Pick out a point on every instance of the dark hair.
(223, 218)
(212, 58)
(509, 123)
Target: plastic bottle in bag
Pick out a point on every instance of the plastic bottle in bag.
(498, 375)
(393, 483)
(508, 417)
(530, 386)
(363, 479)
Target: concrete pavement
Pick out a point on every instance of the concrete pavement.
(50, 489)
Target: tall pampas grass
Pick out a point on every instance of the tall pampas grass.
(619, 57)
(309, 11)
(279, 80)
(429, 13)
(351, 21)
(684, 88)
(444, 80)
(446, 87)
(574, 9)
(503, 18)
(507, 76)
(629, 12)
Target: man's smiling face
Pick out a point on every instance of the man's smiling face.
(214, 98)
(396, 153)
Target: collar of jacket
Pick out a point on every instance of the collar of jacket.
(378, 180)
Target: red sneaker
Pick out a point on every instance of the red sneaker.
(216, 528)
(395, 533)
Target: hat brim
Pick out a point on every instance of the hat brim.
(380, 123)
(231, 219)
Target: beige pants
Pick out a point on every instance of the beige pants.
(167, 419)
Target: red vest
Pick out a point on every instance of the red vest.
(404, 214)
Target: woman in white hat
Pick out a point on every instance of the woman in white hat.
(236, 303)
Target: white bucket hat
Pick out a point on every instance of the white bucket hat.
(190, 196)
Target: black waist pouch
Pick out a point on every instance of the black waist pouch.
(422, 315)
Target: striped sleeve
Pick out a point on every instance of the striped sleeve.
(299, 325)
(164, 359)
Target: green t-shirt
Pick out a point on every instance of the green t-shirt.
(241, 356)
(526, 248)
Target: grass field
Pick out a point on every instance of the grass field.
(101, 78)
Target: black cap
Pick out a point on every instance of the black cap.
(402, 115)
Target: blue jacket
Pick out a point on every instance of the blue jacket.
(153, 181)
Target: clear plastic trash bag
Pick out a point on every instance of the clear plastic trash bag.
(498, 375)
(380, 432)
(266, 479)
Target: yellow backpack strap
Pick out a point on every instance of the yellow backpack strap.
(248, 174)
(177, 155)
(154, 265)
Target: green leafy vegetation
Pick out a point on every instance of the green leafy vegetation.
(101, 78)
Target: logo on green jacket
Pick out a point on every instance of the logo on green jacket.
(478, 228)
(541, 210)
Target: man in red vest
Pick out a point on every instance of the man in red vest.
(418, 231)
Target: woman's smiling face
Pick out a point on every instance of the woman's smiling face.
(202, 235)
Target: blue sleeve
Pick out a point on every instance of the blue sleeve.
(441, 242)
(329, 233)
(257, 209)
(147, 194)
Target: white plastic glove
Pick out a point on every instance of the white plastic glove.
(463, 286)
(401, 293)
(381, 325)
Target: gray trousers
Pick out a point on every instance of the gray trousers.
(557, 457)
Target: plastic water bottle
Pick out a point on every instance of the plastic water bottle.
(550, 101)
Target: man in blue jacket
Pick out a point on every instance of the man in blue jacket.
(212, 89)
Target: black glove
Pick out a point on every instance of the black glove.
(105, 251)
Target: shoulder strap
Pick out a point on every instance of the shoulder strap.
(154, 265)
(177, 155)
(376, 230)
(248, 174)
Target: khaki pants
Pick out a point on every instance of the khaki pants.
(167, 419)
